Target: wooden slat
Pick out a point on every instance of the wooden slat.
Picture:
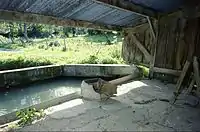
(36, 18)
(196, 72)
(129, 6)
(142, 48)
(167, 71)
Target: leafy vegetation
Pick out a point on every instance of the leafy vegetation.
(27, 45)
(27, 116)
(76, 50)
(144, 70)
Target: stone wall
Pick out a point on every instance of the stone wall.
(98, 70)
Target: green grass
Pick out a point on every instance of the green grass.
(79, 50)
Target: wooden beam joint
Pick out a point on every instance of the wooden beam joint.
(130, 6)
(151, 27)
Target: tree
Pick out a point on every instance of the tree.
(25, 32)
(11, 35)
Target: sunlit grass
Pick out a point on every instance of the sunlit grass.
(78, 50)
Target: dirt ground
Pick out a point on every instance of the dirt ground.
(126, 112)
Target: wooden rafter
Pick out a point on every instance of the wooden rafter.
(129, 6)
(36, 18)
(151, 27)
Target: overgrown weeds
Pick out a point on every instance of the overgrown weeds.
(27, 116)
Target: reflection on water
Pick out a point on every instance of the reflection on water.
(23, 97)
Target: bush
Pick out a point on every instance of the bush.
(16, 62)
(91, 60)
(78, 51)
(109, 60)
(144, 70)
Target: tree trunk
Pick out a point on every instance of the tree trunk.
(11, 26)
(20, 29)
(25, 32)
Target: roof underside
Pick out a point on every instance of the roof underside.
(86, 10)
(89, 10)
(160, 5)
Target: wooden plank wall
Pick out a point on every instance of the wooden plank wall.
(130, 52)
(178, 40)
(171, 46)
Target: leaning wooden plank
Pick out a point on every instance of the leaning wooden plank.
(189, 90)
(180, 81)
(142, 48)
(196, 72)
(167, 71)
(121, 80)
(182, 76)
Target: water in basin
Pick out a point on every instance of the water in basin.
(18, 98)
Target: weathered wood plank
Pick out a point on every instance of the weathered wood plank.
(189, 90)
(36, 18)
(129, 6)
(182, 76)
(167, 71)
(196, 72)
(142, 48)
(180, 81)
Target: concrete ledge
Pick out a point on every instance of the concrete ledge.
(26, 75)
(98, 70)
(16, 77)
(12, 116)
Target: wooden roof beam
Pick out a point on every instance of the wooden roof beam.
(49, 20)
(129, 6)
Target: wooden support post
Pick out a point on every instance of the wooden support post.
(142, 48)
(155, 34)
(196, 72)
(152, 63)
(181, 78)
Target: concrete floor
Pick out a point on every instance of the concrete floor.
(122, 114)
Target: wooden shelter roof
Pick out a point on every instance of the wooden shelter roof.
(99, 14)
